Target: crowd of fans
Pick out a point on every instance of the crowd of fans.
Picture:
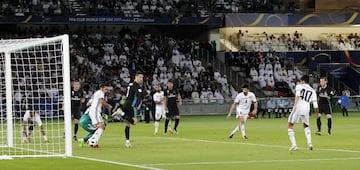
(264, 42)
(267, 69)
(98, 56)
(139, 8)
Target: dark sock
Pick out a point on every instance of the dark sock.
(318, 123)
(329, 125)
(76, 128)
(176, 123)
(166, 124)
(127, 132)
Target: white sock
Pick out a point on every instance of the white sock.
(127, 141)
(308, 135)
(98, 134)
(242, 128)
(291, 134)
(235, 130)
(156, 125)
(45, 138)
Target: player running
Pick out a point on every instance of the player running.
(159, 107)
(242, 103)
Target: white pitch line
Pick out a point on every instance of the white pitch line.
(251, 144)
(117, 163)
(252, 161)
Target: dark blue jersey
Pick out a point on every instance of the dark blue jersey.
(134, 95)
(76, 97)
(171, 97)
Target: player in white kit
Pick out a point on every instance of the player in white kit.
(96, 103)
(159, 107)
(242, 103)
(29, 120)
(304, 95)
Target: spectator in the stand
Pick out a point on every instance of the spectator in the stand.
(218, 96)
(204, 96)
(210, 95)
(187, 88)
(262, 81)
(262, 65)
(315, 46)
(298, 73)
(349, 45)
(125, 76)
(254, 74)
(270, 81)
(234, 93)
(277, 75)
(341, 45)
(277, 65)
(255, 46)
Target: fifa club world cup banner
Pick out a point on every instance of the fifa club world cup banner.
(178, 20)
(279, 20)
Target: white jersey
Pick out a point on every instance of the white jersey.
(159, 108)
(35, 119)
(244, 102)
(306, 95)
(159, 97)
(95, 108)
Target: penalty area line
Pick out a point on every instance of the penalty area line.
(252, 144)
(116, 163)
(252, 161)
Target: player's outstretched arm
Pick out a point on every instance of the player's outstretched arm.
(107, 105)
(26, 137)
(255, 107)
(233, 106)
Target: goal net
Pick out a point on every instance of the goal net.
(34, 83)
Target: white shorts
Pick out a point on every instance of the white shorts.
(294, 118)
(38, 120)
(159, 113)
(95, 118)
(242, 113)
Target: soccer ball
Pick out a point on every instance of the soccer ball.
(339, 101)
(92, 142)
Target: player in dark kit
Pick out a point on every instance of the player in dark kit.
(77, 98)
(325, 93)
(172, 102)
(134, 97)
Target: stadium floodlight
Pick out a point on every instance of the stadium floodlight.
(35, 76)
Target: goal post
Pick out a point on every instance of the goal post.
(35, 77)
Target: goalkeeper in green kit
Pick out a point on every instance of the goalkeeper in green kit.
(87, 125)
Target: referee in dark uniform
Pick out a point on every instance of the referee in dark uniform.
(77, 98)
(325, 93)
(172, 102)
(134, 96)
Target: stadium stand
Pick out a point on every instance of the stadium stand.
(135, 8)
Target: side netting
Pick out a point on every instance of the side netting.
(35, 82)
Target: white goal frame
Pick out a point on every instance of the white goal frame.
(15, 45)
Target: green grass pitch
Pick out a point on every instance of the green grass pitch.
(203, 144)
